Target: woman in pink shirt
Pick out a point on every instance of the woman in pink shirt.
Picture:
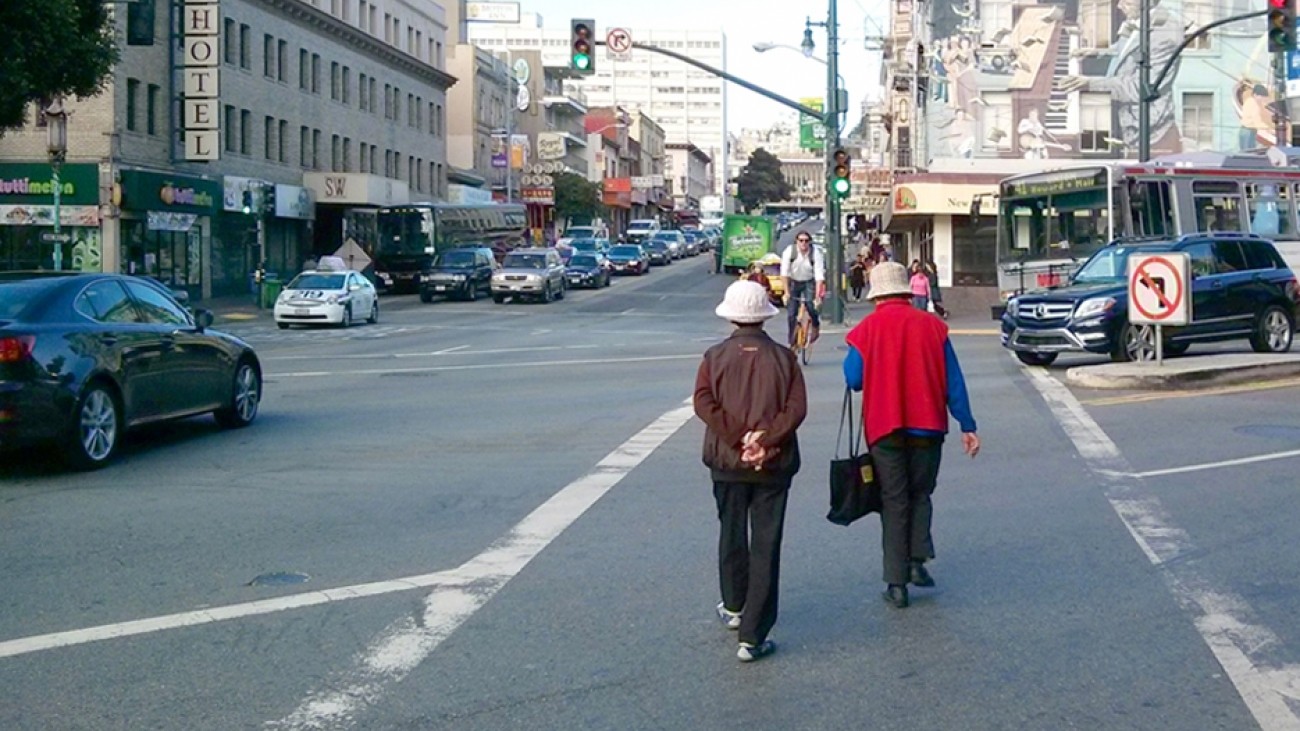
(920, 287)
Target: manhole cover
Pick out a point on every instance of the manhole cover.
(280, 578)
(1270, 431)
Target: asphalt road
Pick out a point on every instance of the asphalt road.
(499, 520)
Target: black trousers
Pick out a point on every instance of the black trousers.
(908, 470)
(749, 568)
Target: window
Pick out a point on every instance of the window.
(397, 32)
(336, 153)
(365, 157)
(418, 46)
(1202, 261)
(410, 173)
(363, 19)
(433, 178)
(282, 61)
(1095, 23)
(410, 110)
(437, 54)
(1197, 14)
(1198, 120)
(268, 55)
(106, 302)
(1270, 209)
(363, 96)
(232, 129)
(245, 46)
(304, 70)
(347, 154)
(231, 39)
(155, 306)
(388, 163)
(437, 182)
(335, 80)
(438, 121)
(374, 17)
(1151, 203)
(315, 73)
(433, 116)
(388, 101)
(1094, 122)
(1217, 204)
(315, 149)
(245, 131)
(132, 95)
(304, 147)
(268, 138)
(397, 103)
(346, 97)
(282, 141)
(151, 109)
(388, 28)
(347, 11)
(995, 120)
(374, 159)
(374, 96)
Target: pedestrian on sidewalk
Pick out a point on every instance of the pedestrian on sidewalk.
(901, 359)
(749, 392)
(936, 296)
(858, 277)
(920, 287)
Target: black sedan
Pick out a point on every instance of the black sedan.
(629, 259)
(659, 250)
(587, 270)
(85, 357)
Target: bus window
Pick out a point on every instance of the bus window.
(1270, 213)
(1217, 204)
(1152, 206)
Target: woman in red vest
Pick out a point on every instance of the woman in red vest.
(902, 361)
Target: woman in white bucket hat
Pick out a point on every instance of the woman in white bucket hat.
(750, 394)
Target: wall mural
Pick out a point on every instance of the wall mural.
(1010, 78)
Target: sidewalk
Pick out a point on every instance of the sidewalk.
(234, 308)
(1187, 372)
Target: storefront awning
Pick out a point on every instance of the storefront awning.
(929, 199)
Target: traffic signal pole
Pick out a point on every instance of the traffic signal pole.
(834, 308)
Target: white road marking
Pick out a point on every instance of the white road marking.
(1223, 619)
(458, 350)
(404, 644)
(484, 366)
(447, 350)
(1218, 465)
(489, 565)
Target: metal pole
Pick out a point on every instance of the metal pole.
(1144, 81)
(1280, 102)
(510, 126)
(58, 243)
(834, 248)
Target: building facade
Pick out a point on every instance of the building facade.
(688, 103)
(1045, 82)
(477, 109)
(690, 170)
(339, 105)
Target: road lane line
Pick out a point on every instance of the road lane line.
(1223, 620)
(404, 644)
(484, 366)
(445, 351)
(1217, 465)
(606, 474)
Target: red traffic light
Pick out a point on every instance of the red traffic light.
(1279, 4)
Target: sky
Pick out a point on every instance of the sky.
(747, 22)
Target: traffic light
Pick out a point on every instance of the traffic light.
(268, 199)
(840, 184)
(582, 57)
(248, 202)
(1281, 25)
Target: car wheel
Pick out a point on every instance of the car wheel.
(282, 325)
(1036, 359)
(374, 313)
(1273, 331)
(1134, 343)
(564, 288)
(471, 292)
(346, 320)
(245, 397)
(97, 429)
(426, 296)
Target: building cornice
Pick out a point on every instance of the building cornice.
(309, 16)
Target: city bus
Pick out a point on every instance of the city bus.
(1049, 223)
(409, 236)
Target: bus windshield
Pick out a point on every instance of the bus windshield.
(1068, 226)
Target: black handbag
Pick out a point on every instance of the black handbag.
(854, 491)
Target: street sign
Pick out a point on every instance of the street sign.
(812, 133)
(523, 72)
(50, 237)
(1157, 289)
(618, 44)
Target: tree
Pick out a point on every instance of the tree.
(52, 48)
(576, 197)
(761, 181)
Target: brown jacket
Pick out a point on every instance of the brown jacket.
(748, 382)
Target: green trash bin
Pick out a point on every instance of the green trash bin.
(270, 292)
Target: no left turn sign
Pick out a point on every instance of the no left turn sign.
(1157, 289)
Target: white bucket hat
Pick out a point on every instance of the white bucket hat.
(745, 302)
(889, 279)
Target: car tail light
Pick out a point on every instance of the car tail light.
(16, 349)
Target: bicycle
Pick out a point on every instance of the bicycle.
(803, 332)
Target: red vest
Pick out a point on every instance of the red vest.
(904, 379)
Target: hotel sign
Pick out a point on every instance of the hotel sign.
(200, 41)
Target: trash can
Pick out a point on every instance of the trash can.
(270, 292)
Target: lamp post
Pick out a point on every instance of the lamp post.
(831, 117)
(56, 121)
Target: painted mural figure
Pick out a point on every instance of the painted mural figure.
(962, 69)
(1255, 108)
(1035, 138)
(1121, 79)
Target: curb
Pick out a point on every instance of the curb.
(1126, 376)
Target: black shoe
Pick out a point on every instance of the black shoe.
(920, 577)
(896, 595)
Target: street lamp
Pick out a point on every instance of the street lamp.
(765, 46)
(56, 121)
(807, 45)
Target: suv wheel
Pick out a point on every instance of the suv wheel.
(1273, 331)
(1036, 359)
(1134, 343)
(471, 292)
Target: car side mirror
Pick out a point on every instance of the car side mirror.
(354, 288)
(181, 296)
(203, 319)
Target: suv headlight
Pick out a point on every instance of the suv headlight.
(1093, 307)
(458, 278)
(1013, 307)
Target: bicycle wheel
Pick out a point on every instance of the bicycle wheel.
(804, 352)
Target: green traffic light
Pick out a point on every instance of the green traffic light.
(841, 186)
(581, 61)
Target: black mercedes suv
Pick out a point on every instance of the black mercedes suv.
(1240, 289)
(462, 272)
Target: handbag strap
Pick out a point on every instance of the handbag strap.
(846, 412)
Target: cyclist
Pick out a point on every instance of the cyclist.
(803, 272)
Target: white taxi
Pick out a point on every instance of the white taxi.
(327, 297)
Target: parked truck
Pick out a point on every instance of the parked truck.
(745, 239)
